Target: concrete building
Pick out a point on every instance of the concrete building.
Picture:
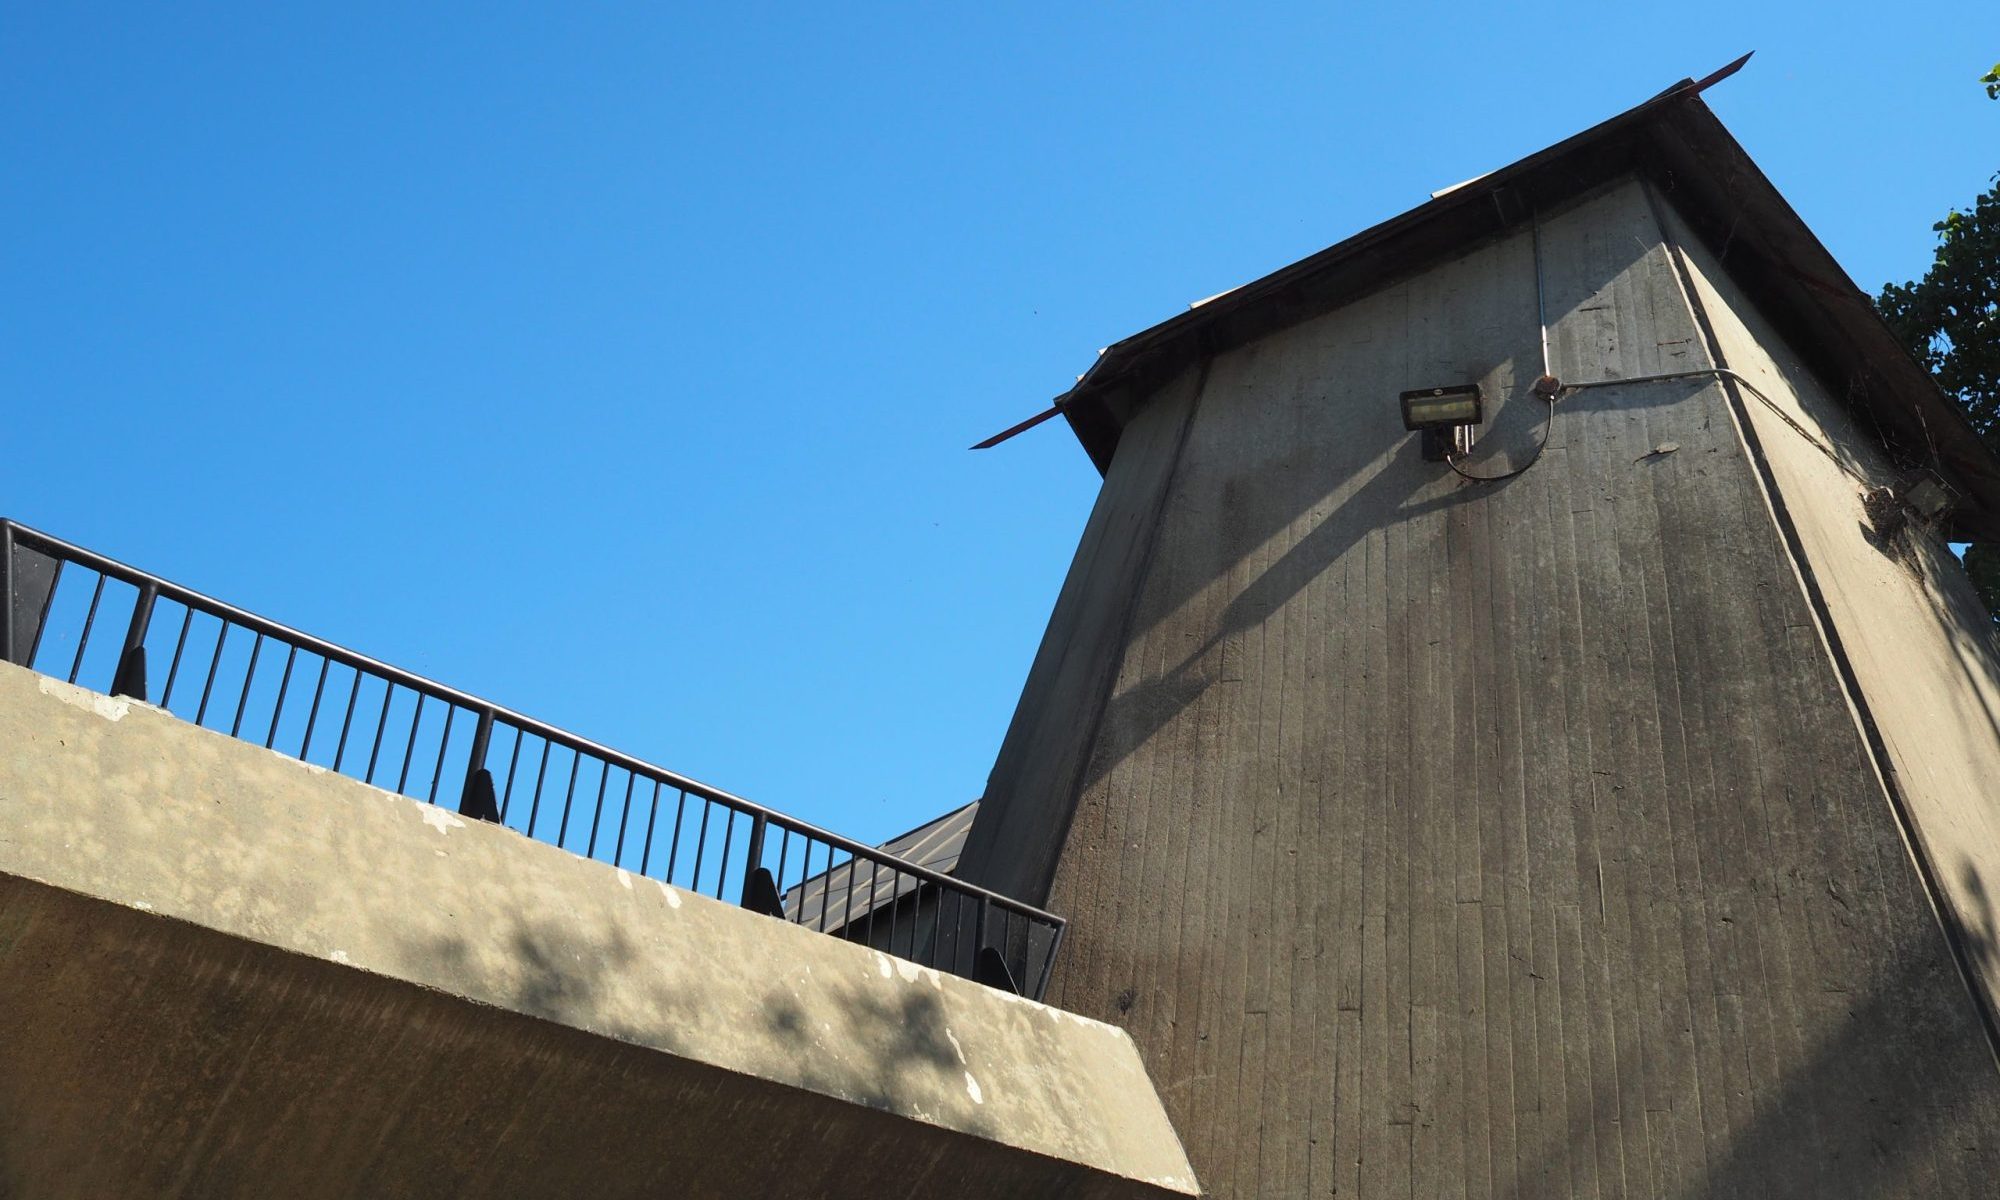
(1614, 816)
(1596, 799)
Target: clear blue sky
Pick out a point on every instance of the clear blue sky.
(618, 362)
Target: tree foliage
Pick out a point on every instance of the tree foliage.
(1950, 320)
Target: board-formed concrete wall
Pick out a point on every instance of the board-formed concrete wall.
(1919, 642)
(1516, 839)
(223, 973)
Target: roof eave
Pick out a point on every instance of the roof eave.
(1673, 138)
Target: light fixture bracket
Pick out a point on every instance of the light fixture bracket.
(1445, 416)
(1925, 493)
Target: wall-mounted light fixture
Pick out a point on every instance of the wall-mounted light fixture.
(1927, 495)
(1445, 416)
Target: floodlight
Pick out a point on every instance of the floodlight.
(1445, 416)
(1927, 495)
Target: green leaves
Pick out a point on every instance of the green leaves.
(1982, 562)
(1950, 321)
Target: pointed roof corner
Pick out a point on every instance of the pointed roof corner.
(1674, 139)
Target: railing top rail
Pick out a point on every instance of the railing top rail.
(27, 535)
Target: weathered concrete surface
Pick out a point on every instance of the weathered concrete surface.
(225, 974)
(1920, 643)
(1515, 839)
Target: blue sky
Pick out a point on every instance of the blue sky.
(618, 362)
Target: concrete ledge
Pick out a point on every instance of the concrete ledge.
(223, 973)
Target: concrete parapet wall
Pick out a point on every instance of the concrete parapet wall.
(225, 973)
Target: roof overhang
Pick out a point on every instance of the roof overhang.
(1673, 140)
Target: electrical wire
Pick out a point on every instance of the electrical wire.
(1546, 387)
(1737, 378)
(1549, 389)
(1548, 429)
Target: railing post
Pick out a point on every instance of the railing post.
(130, 679)
(754, 856)
(760, 887)
(476, 798)
(6, 591)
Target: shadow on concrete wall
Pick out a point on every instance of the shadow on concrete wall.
(554, 970)
(874, 1041)
(890, 1049)
(1142, 710)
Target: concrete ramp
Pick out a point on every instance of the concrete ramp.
(223, 973)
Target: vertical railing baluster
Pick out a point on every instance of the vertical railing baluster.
(347, 722)
(569, 794)
(249, 676)
(784, 847)
(312, 714)
(722, 860)
(825, 887)
(42, 616)
(513, 762)
(985, 915)
(180, 645)
(847, 914)
(444, 748)
(700, 842)
(381, 727)
(652, 816)
(674, 847)
(597, 814)
(208, 685)
(541, 773)
(278, 705)
(624, 819)
(895, 887)
(1049, 960)
(90, 618)
(410, 747)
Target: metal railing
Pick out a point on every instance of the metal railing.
(231, 670)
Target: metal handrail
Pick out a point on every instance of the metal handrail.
(894, 891)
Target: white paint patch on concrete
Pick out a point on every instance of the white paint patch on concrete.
(625, 878)
(439, 819)
(911, 972)
(955, 1047)
(972, 1089)
(673, 897)
(882, 964)
(340, 956)
(142, 906)
(111, 708)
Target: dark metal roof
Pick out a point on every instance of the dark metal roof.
(935, 845)
(1673, 139)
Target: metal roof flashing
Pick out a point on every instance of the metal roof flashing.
(1675, 141)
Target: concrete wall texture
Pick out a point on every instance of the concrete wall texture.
(1520, 839)
(226, 974)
